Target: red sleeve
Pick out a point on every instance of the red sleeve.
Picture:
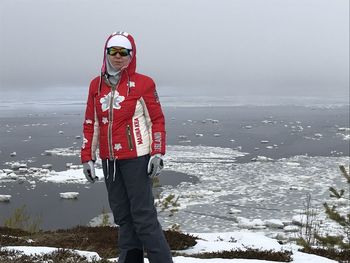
(155, 119)
(90, 127)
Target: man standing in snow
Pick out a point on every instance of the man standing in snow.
(124, 117)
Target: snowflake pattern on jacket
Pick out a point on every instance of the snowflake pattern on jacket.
(106, 101)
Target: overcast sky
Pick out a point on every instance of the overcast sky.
(243, 47)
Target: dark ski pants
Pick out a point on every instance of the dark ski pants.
(131, 201)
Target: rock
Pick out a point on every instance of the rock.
(13, 154)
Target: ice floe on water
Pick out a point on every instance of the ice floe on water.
(264, 193)
(5, 198)
(68, 176)
(344, 133)
(69, 195)
(71, 151)
(264, 188)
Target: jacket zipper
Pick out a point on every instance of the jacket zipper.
(131, 146)
(110, 124)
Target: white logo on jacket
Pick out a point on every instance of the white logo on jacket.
(104, 120)
(106, 101)
(132, 84)
(138, 131)
(117, 146)
(85, 141)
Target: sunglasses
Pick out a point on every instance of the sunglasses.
(123, 52)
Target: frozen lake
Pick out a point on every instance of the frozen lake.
(226, 163)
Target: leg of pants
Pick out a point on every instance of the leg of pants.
(119, 204)
(134, 256)
(131, 200)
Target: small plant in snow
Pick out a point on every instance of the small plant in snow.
(169, 204)
(105, 217)
(219, 239)
(341, 219)
(232, 240)
(175, 227)
(309, 224)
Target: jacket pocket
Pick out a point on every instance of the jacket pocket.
(128, 134)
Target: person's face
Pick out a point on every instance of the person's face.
(119, 57)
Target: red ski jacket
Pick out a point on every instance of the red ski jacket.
(124, 121)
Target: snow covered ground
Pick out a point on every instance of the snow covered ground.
(213, 242)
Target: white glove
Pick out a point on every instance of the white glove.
(89, 171)
(155, 165)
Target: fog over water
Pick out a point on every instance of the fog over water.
(226, 47)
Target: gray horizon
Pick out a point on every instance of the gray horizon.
(240, 47)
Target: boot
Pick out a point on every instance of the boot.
(134, 256)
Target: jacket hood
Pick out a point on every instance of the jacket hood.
(131, 68)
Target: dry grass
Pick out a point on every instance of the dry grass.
(102, 240)
(341, 256)
(249, 253)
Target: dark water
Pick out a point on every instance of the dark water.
(29, 131)
(44, 203)
(232, 121)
